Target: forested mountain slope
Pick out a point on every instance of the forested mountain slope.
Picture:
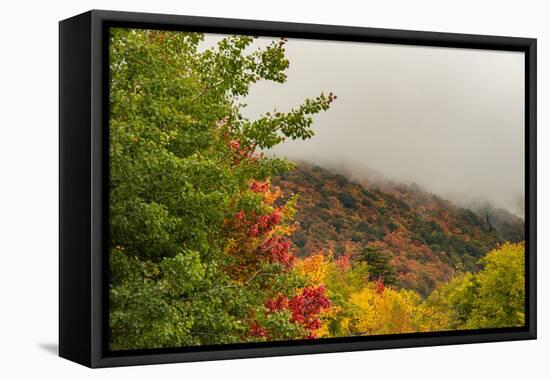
(411, 238)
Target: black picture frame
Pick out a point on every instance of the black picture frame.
(83, 182)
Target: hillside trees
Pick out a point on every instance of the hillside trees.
(415, 239)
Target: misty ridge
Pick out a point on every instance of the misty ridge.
(362, 174)
(451, 121)
(365, 175)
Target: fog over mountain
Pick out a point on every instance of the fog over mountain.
(449, 120)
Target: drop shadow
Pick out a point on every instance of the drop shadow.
(51, 348)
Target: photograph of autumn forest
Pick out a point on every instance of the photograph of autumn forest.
(272, 189)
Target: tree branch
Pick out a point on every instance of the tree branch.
(207, 89)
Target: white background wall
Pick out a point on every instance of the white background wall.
(28, 189)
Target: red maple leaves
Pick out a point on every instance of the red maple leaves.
(257, 330)
(241, 152)
(278, 249)
(304, 307)
(259, 186)
(258, 225)
(263, 238)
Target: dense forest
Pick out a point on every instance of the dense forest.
(214, 242)
(416, 239)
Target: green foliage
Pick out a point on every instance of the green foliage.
(272, 129)
(182, 158)
(342, 285)
(379, 265)
(500, 289)
(492, 298)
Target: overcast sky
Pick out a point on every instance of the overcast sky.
(448, 119)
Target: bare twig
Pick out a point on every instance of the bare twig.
(206, 90)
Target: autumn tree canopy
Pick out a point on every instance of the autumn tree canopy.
(198, 246)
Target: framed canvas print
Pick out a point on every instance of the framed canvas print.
(233, 188)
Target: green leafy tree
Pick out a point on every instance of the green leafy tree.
(491, 298)
(500, 300)
(182, 162)
(379, 265)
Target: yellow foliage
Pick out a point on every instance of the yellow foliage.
(272, 194)
(231, 247)
(315, 268)
(374, 313)
(327, 316)
(283, 229)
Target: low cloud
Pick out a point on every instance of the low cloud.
(449, 120)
